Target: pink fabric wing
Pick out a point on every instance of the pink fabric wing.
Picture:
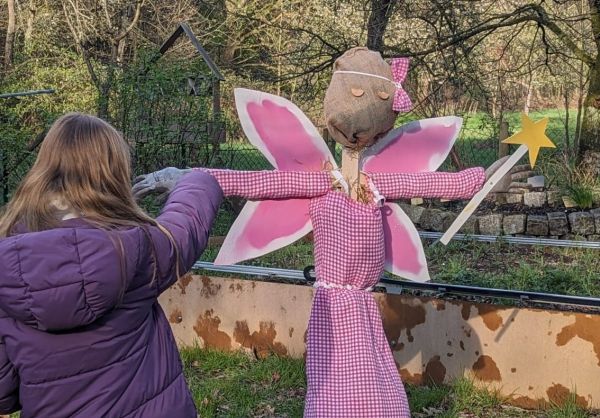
(417, 146)
(290, 142)
(265, 226)
(404, 254)
(281, 131)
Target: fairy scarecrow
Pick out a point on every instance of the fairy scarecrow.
(357, 232)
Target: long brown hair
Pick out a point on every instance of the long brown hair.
(84, 162)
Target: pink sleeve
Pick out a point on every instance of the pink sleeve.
(272, 184)
(461, 185)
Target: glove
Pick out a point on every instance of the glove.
(510, 182)
(162, 181)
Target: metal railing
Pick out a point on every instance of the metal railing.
(396, 286)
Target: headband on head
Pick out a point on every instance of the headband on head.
(402, 102)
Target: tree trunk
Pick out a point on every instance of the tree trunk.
(10, 35)
(590, 129)
(30, 24)
(381, 10)
(105, 89)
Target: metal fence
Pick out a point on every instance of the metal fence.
(177, 130)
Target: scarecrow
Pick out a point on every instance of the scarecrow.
(357, 231)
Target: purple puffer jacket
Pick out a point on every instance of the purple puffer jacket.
(68, 346)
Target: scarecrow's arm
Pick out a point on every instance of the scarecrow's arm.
(272, 184)
(276, 214)
(461, 185)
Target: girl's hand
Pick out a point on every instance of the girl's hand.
(162, 181)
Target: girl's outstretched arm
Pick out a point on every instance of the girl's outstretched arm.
(188, 216)
(461, 185)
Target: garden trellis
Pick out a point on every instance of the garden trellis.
(170, 112)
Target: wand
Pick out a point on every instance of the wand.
(531, 138)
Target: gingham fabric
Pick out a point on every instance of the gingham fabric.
(350, 369)
(349, 365)
(272, 184)
(461, 185)
(402, 102)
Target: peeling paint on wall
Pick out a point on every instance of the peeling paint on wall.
(207, 328)
(485, 369)
(175, 317)
(262, 342)
(558, 394)
(435, 372)
(400, 316)
(490, 316)
(585, 327)
(209, 288)
(183, 282)
(533, 357)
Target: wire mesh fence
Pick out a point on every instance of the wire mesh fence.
(155, 147)
(166, 114)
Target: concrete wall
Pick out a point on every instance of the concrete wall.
(532, 356)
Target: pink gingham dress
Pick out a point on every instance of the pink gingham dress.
(350, 368)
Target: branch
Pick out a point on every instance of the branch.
(563, 37)
(528, 13)
(107, 16)
(77, 38)
(136, 17)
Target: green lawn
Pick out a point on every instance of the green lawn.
(498, 265)
(238, 385)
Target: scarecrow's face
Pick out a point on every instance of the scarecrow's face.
(358, 108)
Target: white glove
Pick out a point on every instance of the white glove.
(510, 182)
(162, 181)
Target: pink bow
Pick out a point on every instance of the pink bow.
(402, 102)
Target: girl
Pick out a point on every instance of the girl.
(81, 268)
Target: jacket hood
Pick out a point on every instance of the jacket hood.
(61, 278)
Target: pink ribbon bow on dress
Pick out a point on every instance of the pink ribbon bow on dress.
(402, 102)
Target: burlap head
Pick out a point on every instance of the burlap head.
(358, 108)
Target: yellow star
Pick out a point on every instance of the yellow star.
(533, 136)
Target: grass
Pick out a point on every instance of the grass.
(497, 265)
(238, 385)
(533, 268)
(235, 385)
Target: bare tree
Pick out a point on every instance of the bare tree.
(10, 35)
(461, 26)
(381, 10)
(100, 33)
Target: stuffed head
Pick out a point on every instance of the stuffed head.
(364, 97)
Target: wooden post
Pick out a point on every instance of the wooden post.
(328, 140)
(217, 133)
(350, 170)
(503, 149)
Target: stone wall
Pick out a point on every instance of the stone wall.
(554, 223)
